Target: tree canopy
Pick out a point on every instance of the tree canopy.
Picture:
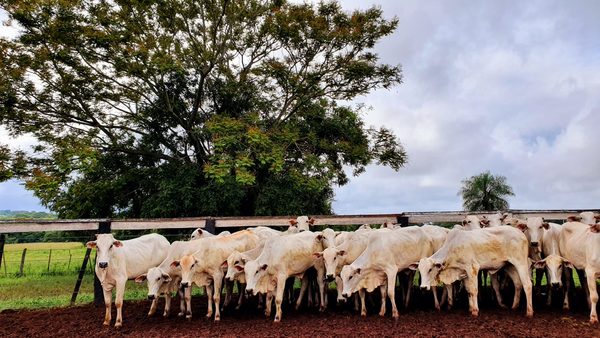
(181, 108)
(485, 192)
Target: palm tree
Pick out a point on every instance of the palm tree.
(485, 192)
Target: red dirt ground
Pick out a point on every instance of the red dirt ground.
(338, 321)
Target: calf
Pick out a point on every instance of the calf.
(117, 261)
(580, 244)
(466, 252)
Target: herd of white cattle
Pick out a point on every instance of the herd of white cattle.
(262, 260)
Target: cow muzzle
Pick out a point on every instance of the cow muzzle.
(534, 244)
(424, 287)
(185, 284)
(151, 297)
(329, 278)
(103, 265)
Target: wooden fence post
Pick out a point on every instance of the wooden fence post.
(49, 258)
(20, 274)
(210, 225)
(402, 220)
(2, 240)
(103, 228)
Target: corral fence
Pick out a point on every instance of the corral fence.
(218, 224)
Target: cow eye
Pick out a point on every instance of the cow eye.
(236, 262)
(111, 246)
(158, 279)
(350, 277)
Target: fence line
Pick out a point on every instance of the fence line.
(17, 226)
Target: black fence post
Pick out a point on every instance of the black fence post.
(211, 225)
(81, 273)
(103, 228)
(2, 240)
(402, 220)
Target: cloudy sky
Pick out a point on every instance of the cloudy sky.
(507, 86)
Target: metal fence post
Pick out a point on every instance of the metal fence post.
(21, 274)
(103, 228)
(81, 273)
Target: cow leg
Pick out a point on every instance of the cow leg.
(241, 288)
(305, 283)
(260, 301)
(153, 306)
(383, 291)
(472, 284)
(168, 299)
(339, 287)
(391, 290)
(436, 302)
(107, 305)
(518, 288)
(591, 281)
(567, 273)
(187, 295)
(268, 303)
(496, 287)
(363, 306)
(450, 293)
(583, 281)
(523, 272)
(279, 297)
(409, 287)
(209, 295)
(181, 294)
(119, 301)
(218, 281)
(228, 293)
(322, 285)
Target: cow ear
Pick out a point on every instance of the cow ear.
(312, 221)
(568, 264)
(140, 278)
(357, 271)
(166, 277)
(224, 264)
(200, 231)
(522, 226)
(414, 266)
(293, 222)
(546, 225)
(597, 217)
(117, 244)
(319, 237)
(341, 252)
(337, 233)
(595, 227)
(90, 244)
(264, 267)
(174, 264)
(484, 222)
(439, 265)
(574, 218)
(539, 264)
(317, 255)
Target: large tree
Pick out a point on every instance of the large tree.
(184, 107)
(485, 192)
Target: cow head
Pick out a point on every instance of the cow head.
(534, 230)
(351, 277)
(554, 266)
(429, 271)
(595, 228)
(574, 219)
(188, 265)
(254, 272)
(156, 278)
(587, 217)
(235, 266)
(331, 257)
(105, 245)
(471, 222)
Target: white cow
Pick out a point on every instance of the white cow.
(205, 266)
(117, 261)
(586, 217)
(579, 243)
(387, 253)
(466, 252)
(301, 223)
(165, 279)
(283, 257)
(200, 233)
(471, 222)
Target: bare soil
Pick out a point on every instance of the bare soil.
(419, 320)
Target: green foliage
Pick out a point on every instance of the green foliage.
(183, 108)
(485, 192)
(21, 214)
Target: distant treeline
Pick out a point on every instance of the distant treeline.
(20, 214)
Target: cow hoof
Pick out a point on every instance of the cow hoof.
(363, 314)
(277, 320)
(475, 313)
(322, 309)
(217, 319)
(118, 325)
(529, 315)
(188, 317)
(381, 314)
(502, 306)
(594, 320)
(438, 308)
(565, 308)
(107, 323)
